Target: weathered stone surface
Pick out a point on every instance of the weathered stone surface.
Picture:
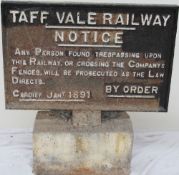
(61, 148)
(84, 118)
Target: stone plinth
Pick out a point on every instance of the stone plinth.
(61, 148)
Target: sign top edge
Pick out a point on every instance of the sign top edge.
(90, 3)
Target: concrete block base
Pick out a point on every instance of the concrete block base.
(61, 148)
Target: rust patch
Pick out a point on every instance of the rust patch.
(83, 171)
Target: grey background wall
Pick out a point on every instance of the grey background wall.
(141, 121)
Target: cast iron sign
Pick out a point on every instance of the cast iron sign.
(98, 57)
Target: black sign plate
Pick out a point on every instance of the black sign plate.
(97, 57)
